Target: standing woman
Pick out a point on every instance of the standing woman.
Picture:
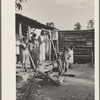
(42, 46)
(25, 54)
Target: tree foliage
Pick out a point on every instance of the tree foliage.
(77, 26)
(18, 4)
(50, 24)
(90, 24)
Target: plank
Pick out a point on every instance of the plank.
(50, 78)
(44, 74)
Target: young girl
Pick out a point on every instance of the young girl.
(66, 57)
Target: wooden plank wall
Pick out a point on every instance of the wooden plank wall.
(83, 41)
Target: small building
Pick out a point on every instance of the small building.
(24, 25)
(83, 40)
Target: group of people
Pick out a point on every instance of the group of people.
(32, 50)
(64, 60)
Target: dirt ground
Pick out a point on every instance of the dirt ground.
(80, 87)
(77, 84)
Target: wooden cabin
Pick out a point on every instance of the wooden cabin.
(83, 40)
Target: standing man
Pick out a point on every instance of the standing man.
(33, 49)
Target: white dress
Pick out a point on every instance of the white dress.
(42, 49)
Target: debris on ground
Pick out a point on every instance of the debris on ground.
(34, 85)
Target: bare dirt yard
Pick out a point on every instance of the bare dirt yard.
(77, 84)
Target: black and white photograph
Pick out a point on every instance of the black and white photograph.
(54, 50)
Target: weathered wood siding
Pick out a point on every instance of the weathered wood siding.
(83, 41)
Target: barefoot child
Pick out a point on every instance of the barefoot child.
(71, 60)
(25, 55)
(66, 57)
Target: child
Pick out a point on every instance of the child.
(25, 55)
(71, 60)
(66, 57)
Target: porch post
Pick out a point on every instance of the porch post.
(20, 30)
(29, 31)
(50, 47)
(20, 35)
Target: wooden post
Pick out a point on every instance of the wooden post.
(20, 35)
(91, 58)
(32, 60)
(29, 31)
(20, 30)
(57, 43)
(50, 47)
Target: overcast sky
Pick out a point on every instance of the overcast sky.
(64, 13)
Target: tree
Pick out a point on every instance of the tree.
(77, 26)
(90, 24)
(50, 24)
(18, 4)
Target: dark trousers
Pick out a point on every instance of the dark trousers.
(18, 58)
(34, 57)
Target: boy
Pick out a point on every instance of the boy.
(25, 55)
(33, 50)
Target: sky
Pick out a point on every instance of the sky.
(64, 13)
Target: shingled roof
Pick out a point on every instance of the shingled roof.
(32, 23)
